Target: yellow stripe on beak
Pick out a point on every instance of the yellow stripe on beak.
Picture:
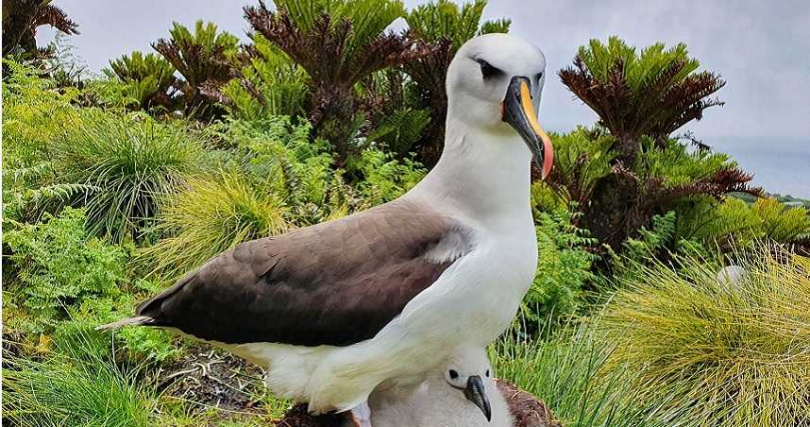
(531, 116)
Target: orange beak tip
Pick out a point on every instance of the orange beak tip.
(548, 157)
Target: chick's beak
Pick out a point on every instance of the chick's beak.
(476, 394)
(518, 111)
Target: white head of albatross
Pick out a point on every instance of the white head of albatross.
(459, 392)
(375, 298)
(494, 86)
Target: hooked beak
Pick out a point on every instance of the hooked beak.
(476, 394)
(518, 111)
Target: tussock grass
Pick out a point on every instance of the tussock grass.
(79, 387)
(569, 371)
(212, 216)
(130, 163)
(730, 353)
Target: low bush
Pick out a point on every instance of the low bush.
(212, 215)
(61, 283)
(735, 222)
(563, 268)
(734, 352)
(80, 387)
(55, 264)
(130, 162)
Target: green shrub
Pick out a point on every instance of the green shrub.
(734, 221)
(135, 345)
(384, 177)
(569, 373)
(56, 264)
(77, 388)
(130, 162)
(212, 215)
(781, 223)
(273, 178)
(61, 283)
(34, 113)
(563, 267)
(276, 156)
(734, 353)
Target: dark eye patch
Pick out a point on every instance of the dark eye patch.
(539, 75)
(487, 70)
(453, 374)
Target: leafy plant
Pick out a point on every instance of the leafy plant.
(337, 43)
(276, 156)
(733, 221)
(130, 162)
(149, 79)
(780, 223)
(581, 159)
(563, 268)
(388, 100)
(445, 27)
(385, 178)
(61, 283)
(205, 57)
(270, 84)
(56, 264)
(33, 114)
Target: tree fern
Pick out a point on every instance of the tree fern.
(205, 56)
(269, 84)
(21, 18)
(149, 78)
(337, 43)
(652, 93)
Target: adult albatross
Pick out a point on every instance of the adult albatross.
(336, 309)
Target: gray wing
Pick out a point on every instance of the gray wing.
(335, 283)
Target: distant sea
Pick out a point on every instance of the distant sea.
(778, 170)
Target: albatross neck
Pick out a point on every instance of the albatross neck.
(481, 174)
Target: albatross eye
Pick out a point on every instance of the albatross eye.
(453, 374)
(539, 75)
(487, 70)
(487, 373)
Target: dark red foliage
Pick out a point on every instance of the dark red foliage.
(656, 109)
(21, 18)
(333, 65)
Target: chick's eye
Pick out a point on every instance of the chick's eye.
(487, 373)
(487, 70)
(453, 374)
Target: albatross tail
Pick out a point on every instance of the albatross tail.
(138, 320)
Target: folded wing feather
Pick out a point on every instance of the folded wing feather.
(335, 283)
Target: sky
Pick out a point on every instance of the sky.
(760, 48)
